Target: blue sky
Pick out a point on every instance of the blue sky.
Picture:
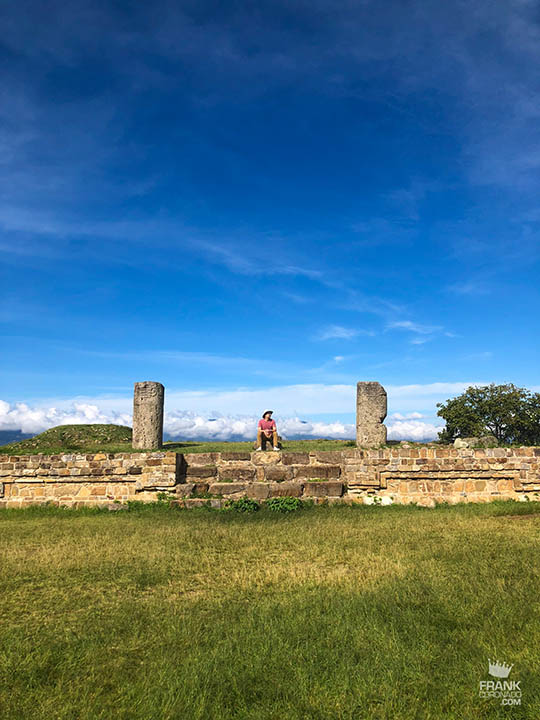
(261, 204)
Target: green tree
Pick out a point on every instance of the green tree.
(509, 413)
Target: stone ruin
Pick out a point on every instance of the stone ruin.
(371, 408)
(148, 401)
(367, 474)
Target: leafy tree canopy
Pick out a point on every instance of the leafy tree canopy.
(509, 413)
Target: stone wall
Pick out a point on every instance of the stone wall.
(85, 479)
(423, 475)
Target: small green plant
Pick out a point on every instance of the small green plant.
(243, 505)
(284, 504)
(203, 494)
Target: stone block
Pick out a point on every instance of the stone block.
(291, 458)
(200, 458)
(235, 456)
(328, 472)
(323, 489)
(201, 471)
(266, 458)
(278, 474)
(285, 489)
(236, 474)
(196, 502)
(332, 457)
(200, 488)
(184, 490)
(258, 491)
(226, 488)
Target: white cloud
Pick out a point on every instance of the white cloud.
(414, 327)
(36, 419)
(338, 332)
(413, 430)
(191, 426)
(408, 416)
(187, 425)
(207, 414)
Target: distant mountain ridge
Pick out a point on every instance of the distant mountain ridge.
(9, 436)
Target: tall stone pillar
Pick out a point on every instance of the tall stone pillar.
(148, 415)
(371, 407)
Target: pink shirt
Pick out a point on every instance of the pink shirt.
(267, 424)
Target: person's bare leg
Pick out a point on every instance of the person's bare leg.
(259, 439)
(275, 440)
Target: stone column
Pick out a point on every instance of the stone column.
(148, 415)
(371, 405)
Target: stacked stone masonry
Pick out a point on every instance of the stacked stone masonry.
(425, 476)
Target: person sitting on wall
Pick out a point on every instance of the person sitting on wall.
(268, 428)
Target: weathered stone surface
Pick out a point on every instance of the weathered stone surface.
(397, 474)
(185, 489)
(484, 441)
(278, 474)
(371, 408)
(200, 458)
(228, 488)
(266, 458)
(333, 457)
(148, 400)
(285, 489)
(233, 474)
(258, 490)
(318, 471)
(295, 458)
(235, 456)
(201, 471)
(200, 488)
(195, 502)
(323, 489)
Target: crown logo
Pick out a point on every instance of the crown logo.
(498, 669)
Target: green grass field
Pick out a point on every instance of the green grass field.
(329, 612)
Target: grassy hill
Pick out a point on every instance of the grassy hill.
(117, 438)
(74, 438)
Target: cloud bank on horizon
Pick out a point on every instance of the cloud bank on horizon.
(186, 425)
(301, 410)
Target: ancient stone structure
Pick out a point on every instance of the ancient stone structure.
(148, 415)
(403, 475)
(371, 407)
